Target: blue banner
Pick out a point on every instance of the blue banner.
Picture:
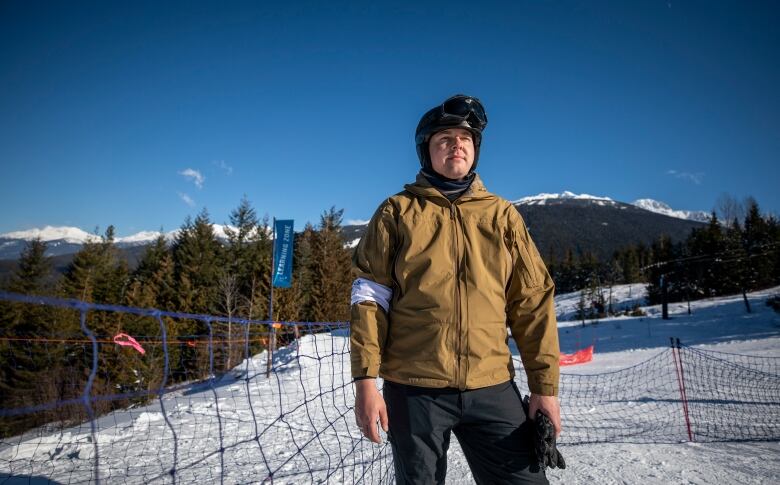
(283, 253)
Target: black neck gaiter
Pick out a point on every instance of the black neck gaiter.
(451, 189)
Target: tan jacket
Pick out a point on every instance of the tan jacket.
(460, 273)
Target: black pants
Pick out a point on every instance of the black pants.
(490, 425)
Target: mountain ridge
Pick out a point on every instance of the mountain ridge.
(549, 217)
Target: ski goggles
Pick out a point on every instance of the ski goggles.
(455, 111)
(464, 108)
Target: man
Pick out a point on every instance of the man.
(443, 269)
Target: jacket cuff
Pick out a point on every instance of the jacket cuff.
(359, 371)
(542, 389)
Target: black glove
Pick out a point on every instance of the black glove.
(547, 453)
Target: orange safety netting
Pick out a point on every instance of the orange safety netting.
(578, 357)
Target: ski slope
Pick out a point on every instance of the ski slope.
(306, 405)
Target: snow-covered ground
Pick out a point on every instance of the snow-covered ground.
(624, 297)
(244, 426)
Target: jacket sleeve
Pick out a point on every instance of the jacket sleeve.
(531, 310)
(371, 265)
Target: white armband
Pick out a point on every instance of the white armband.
(367, 290)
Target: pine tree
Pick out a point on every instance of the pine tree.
(662, 253)
(330, 270)
(728, 272)
(757, 243)
(302, 270)
(96, 273)
(34, 270)
(628, 260)
(197, 258)
(706, 247)
(152, 283)
(774, 231)
(241, 272)
(25, 364)
(567, 274)
(242, 257)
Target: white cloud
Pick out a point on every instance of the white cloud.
(187, 199)
(223, 166)
(696, 178)
(196, 177)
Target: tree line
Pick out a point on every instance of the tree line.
(726, 257)
(736, 253)
(44, 357)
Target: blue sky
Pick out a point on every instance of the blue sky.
(139, 113)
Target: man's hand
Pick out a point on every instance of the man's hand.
(369, 407)
(549, 406)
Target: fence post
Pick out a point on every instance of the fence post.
(681, 383)
(271, 346)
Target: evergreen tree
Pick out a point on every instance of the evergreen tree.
(32, 275)
(96, 274)
(302, 270)
(244, 253)
(663, 253)
(758, 247)
(152, 283)
(728, 271)
(589, 276)
(330, 270)
(566, 279)
(255, 275)
(197, 258)
(25, 365)
(628, 262)
(774, 231)
(645, 259)
(707, 247)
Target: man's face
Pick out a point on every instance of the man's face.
(452, 152)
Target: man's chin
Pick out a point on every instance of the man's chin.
(455, 175)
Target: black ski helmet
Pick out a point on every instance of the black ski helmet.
(459, 111)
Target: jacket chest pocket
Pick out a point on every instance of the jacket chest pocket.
(424, 265)
(488, 259)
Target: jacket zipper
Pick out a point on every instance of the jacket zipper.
(458, 347)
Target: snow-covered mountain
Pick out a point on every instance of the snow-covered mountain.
(544, 198)
(50, 233)
(647, 204)
(663, 208)
(75, 235)
(557, 221)
(67, 240)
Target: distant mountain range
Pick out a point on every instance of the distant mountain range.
(661, 208)
(600, 225)
(590, 223)
(557, 221)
